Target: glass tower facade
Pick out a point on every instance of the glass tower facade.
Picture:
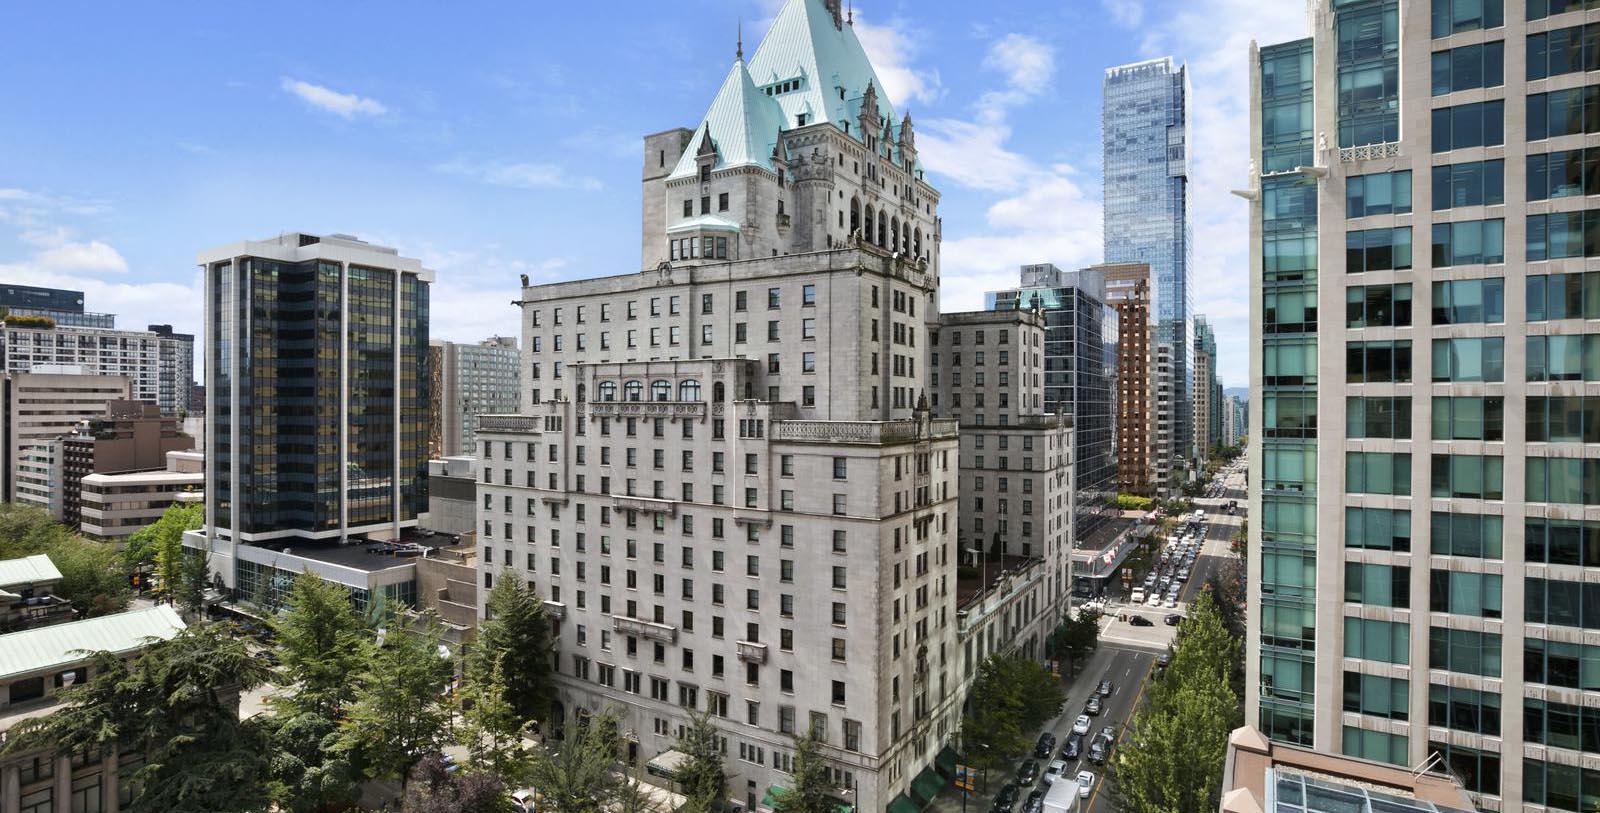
(1146, 181)
(1080, 346)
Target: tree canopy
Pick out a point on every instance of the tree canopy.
(1011, 697)
(398, 714)
(703, 778)
(810, 789)
(515, 635)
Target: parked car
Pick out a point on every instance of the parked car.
(1108, 733)
(1046, 744)
(1085, 783)
(1141, 621)
(1081, 725)
(1005, 798)
(1164, 661)
(1027, 773)
(1034, 803)
(1098, 751)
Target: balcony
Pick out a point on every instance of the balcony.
(556, 609)
(752, 652)
(875, 433)
(1368, 152)
(647, 409)
(648, 505)
(516, 424)
(644, 629)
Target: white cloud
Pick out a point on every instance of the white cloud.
(93, 256)
(1026, 62)
(1126, 13)
(519, 175)
(345, 105)
(893, 47)
(473, 291)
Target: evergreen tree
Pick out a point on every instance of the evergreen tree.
(812, 789)
(578, 777)
(434, 789)
(515, 633)
(398, 715)
(702, 778)
(490, 730)
(1011, 697)
(142, 546)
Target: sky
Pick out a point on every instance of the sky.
(495, 139)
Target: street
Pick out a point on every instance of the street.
(1126, 656)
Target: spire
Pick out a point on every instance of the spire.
(833, 9)
(851, 19)
(739, 52)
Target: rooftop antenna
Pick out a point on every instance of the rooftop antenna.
(739, 53)
(851, 19)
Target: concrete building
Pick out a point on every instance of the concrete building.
(64, 307)
(130, 436)
(1145, 141)
(35, 664)
(316, 359)
(470, 380)
(1260, 776)
(1207, 392)
(1080, 345)
(1427, 483)
(1128, 292)
(158, 363)
(38, 407)
(1232, 412)
(115, 506)
(27, 597)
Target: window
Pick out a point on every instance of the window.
(1563, 234)
(1562, 541)
(1473, 359)
(1368, 362)
(1564, 174)
(1381, 585)
(1377, 529)
(1562, 603)
(1464, 709)
(1475, 594)
(1470, 66)
(1466, 651)
(1377, 250)
(1383, 417)
(772, 298)
(1456, 16)
(1377, 305)
(1469, 301)
(1470, 242)
(1474, 535)
(1383, 193)
(1475, 183)
(808, 296)
(1377, 696)
(1563, 419)
(1562, 725)
(1368, 101)
(1469, 418)
(1378, 473)
(1554, 663)
(1293, 362)
(1379, 746)
(1564, 358)
(1540, 9)
(1468, 477)
(1480, 124)
(1289, 415)
(1563, 112)
(1557, 786)
(1563, 480)
(840, 468)
(1563, 50)
(1386, 641)
(808, 328)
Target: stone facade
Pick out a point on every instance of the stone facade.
(1128, 292)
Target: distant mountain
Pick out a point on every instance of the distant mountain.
(1242, 392)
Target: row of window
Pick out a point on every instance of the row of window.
(1470, 359)
(674, 305)
(1571, 481)
(1455, 302)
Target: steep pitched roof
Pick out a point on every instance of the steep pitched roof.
(743, 125)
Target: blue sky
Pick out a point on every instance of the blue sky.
(497, 139)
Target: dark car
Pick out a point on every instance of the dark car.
(1164, 661)
(1027, 773)
(1173, 619)
(1105, 688)
(1046, 744)
(1034, 803)
(1073, 748)
(1141, 621)
(1098, 751)
(1108, 734)
(1005, 798)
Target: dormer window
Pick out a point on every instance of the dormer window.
(800, 120)
(705, 173)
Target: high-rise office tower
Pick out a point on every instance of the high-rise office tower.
(60, 305)
(1424, 486)
(317, 388)
(728, 482)
(1207, 392)
(1080, 346)
(158, 362)
(470, 380)
(1145, 135)
(1128, 293)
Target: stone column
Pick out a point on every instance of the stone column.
(10, 787)
(63, 792)
(109, 783)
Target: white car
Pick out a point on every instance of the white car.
(1081, 725)
(1055, 770)
(1172, 601)
(1154, 600)
(1085, 783)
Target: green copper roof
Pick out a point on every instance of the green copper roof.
(800, 68)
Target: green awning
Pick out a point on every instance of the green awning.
(946, 762)
(926, 786)
(770, 801)
(901, 804)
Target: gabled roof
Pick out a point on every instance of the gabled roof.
(28, 570)
(62, 645)
(743, 125)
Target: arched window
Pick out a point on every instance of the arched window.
(883, 231)
(583, 393)
(905, 238)
(918, 244)
(894, 235)
(855, 215)
(633, 390)
(868, 233)
(608, 390)
(661, 390)
(749, 391)
(719, 392)
(689, 390)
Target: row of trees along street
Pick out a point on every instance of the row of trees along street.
(353, 704)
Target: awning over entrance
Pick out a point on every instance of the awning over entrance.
(667, 764)
(770, 801)
(901, 804)
(926, 786)
(945, 762)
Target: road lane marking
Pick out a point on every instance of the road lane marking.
(1122, 733)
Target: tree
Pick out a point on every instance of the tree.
(1010, 698)
(25, 530)
(178, 704)
(398, 715)
(515, 633)
(434, 789)
(812, 790)
(578, 777)
(491, 731)
(702, 778)
(92, 575)
(1076, 636)
(143, 545)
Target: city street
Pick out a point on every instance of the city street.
(1126, 656)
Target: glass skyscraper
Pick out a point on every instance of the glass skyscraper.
(1145, 135)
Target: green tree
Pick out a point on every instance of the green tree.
(578, 777)
(92, 575)
(1076, 636)
(811, 790)
(702, 778)
(26, 530)
(491, 731)
(178, 704)
(515, 633)
(398, 715)
(434, 789)
(1010, 698)
(141, 547)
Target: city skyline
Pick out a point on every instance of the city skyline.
(537, 140)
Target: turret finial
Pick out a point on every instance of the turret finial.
(739, 52)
